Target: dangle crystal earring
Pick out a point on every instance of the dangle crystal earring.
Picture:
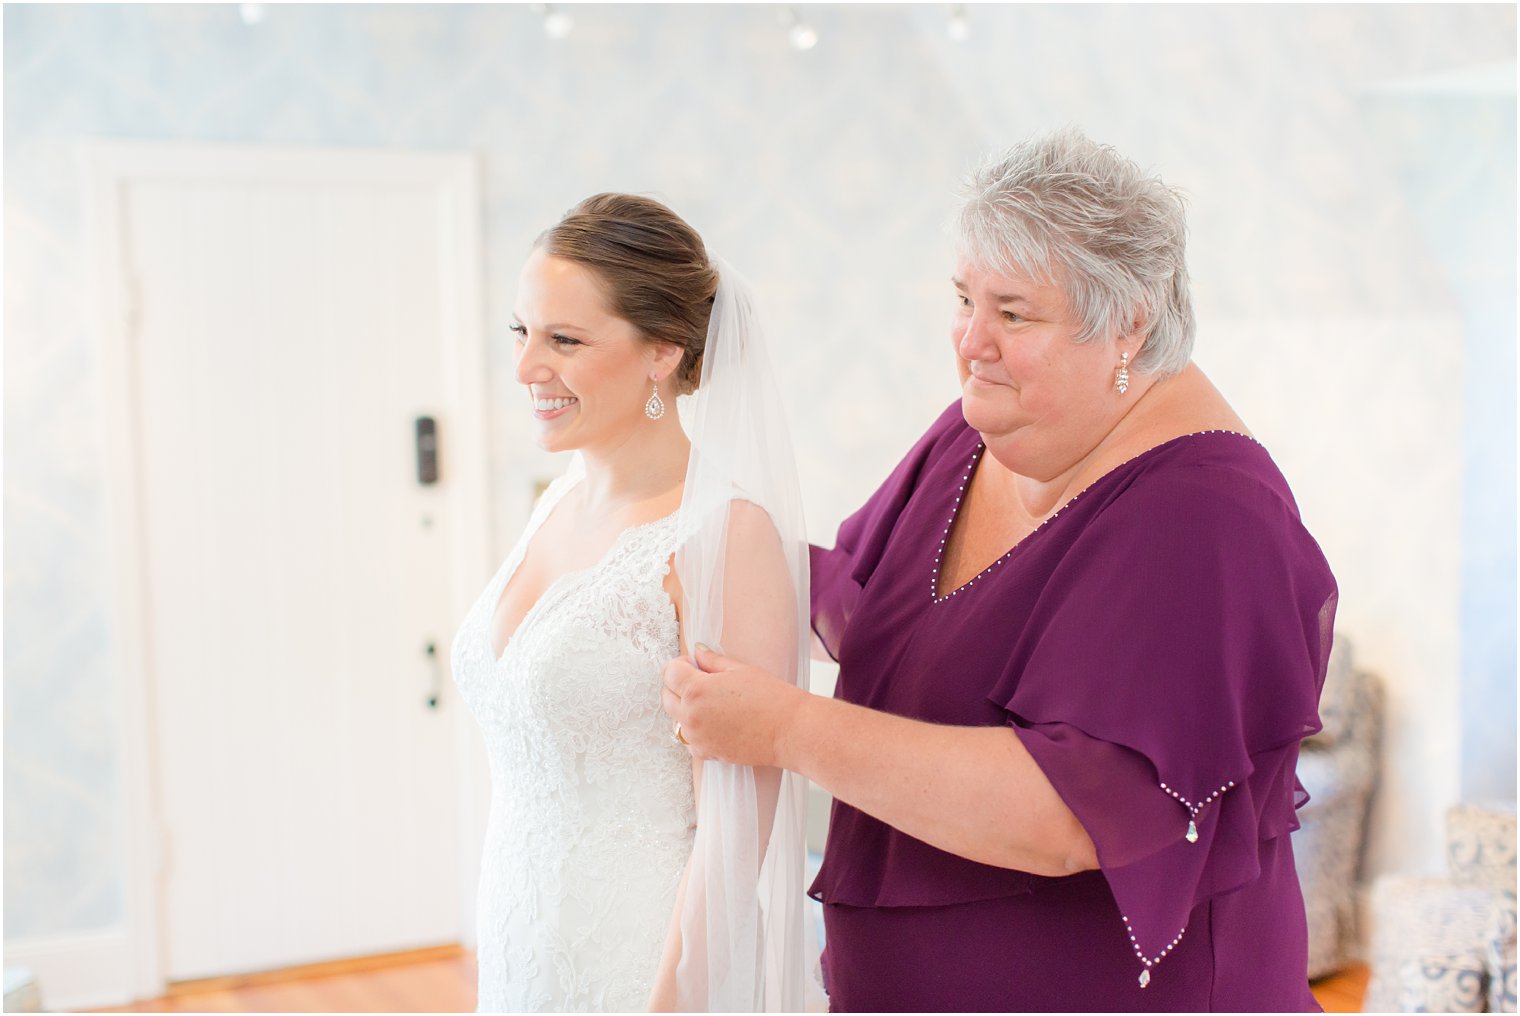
(1121, 382)
(654, 408)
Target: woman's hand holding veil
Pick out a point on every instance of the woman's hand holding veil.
(728, 710)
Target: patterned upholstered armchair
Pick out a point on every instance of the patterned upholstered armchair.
(1448, 944)
(1437, 944)
(1338, 767)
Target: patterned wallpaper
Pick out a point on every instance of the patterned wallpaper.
(827, 177)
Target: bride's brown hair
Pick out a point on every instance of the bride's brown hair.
(653, 267)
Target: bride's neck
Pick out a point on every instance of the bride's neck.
(645, 463)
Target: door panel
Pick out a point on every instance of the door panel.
(287, 334)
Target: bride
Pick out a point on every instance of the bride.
(619, 874)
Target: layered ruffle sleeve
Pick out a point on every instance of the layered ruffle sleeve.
(840, 573)
(1168, 670)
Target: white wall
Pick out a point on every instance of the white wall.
(1450, 139)
(827, 177)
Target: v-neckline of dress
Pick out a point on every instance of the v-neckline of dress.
(553, 589)
(955, 509)
(965, 481)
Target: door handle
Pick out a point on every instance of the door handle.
(431, 651)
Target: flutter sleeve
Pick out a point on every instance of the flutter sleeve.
(838, 575)
(1173, 666)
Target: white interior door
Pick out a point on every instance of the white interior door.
(287, 330)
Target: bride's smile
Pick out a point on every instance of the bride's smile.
(586, 370)
(549, 407)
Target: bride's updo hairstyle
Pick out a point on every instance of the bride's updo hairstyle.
(653, 268)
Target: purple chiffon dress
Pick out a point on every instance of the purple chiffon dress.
(1158, 646)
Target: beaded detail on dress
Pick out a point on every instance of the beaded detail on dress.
(1192, 837)
(592, 816)
(981, 446)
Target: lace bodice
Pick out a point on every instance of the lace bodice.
(592, 815)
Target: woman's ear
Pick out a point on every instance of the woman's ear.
(665, 359)
(1133, 339)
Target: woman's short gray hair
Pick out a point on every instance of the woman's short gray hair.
(1081, 216)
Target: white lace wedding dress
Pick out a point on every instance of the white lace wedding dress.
(592, 815)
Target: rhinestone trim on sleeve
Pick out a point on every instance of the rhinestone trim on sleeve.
(1193, 809)
(1192, 837)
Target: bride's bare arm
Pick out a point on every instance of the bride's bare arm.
(759, 622)
(760, 619)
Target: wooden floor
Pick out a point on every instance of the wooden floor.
(1343, 992)
(431, 980)
(443, 980)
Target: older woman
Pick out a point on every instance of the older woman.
(1081, 631)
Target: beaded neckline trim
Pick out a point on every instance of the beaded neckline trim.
(944, 537)
(960, 492)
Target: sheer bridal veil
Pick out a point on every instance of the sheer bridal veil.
(743, 564)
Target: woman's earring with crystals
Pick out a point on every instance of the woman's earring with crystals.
(654, 408)
(1121, 380)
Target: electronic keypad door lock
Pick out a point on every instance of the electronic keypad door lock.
(427, 451)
